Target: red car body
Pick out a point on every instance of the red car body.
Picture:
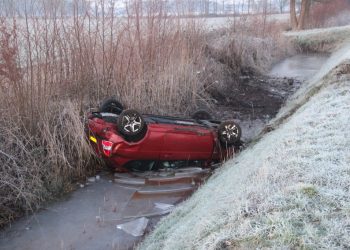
(166, 139)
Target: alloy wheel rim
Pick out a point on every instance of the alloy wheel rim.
(132, 123)
(230, 131)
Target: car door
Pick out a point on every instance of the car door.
(187, 143)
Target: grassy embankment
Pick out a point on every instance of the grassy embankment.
(52, 69)
(288, 190)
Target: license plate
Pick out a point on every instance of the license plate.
(93, 139)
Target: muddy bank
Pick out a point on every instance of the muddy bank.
(254, 99)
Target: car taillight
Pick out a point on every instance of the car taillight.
(107, 148)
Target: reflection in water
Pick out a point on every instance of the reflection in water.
(303, 67)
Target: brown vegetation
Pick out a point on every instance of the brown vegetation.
(53, 69)
(322, 12)
(315, 14)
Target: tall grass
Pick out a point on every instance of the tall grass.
(53, 68)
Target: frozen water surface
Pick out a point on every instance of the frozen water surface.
(303, 66)
(89, 217)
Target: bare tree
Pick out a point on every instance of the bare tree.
(299, 23)
(7, 8)
(206, 7)
(282, 4)
(293, 15)
(304, 13)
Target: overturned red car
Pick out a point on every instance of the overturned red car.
(127, 140)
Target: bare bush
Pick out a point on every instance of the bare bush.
(242, 49)
(342, 19)
(244, 46)
(37, 165)
(329, 13)
(53, 67)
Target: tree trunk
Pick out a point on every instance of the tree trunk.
(206, 7)
(304, 14)
(293, 15)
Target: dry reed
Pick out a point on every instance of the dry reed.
(53, 68)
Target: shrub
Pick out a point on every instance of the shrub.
(323, 12)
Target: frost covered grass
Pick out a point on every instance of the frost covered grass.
(320, 40)
(336, 65)
(288, 190)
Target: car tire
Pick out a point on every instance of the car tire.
(111, 105)
(229, 133)
(201, 115)
(131, 124)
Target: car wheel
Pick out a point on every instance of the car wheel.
(229, 132)
(111, 105)
(131, 124)
(201, 115)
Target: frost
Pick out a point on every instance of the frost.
(289, 190)
(318, 81)
(164, 206)
(321, 31)
(136, 227)
(91, 179)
